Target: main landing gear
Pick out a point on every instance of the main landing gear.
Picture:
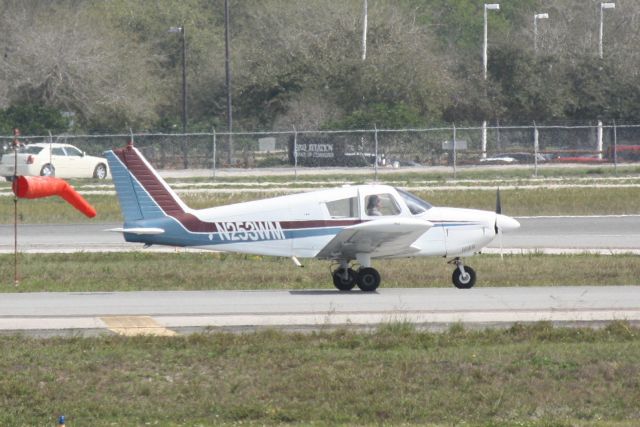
(463, 277)
(345, 278)
(367, 279)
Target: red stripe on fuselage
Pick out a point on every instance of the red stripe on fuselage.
(150, 182)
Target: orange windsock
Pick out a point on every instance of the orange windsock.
(34, 187)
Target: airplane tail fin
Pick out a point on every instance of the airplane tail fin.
(142, 193)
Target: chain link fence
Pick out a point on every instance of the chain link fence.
(374, 149)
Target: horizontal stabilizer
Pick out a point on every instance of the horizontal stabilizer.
(138, 230)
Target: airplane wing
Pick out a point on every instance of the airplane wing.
(379, 238)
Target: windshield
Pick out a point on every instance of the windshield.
(415, 204)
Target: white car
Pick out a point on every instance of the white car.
(53, 159)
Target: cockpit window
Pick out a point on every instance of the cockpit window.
(381, 205)
(343, 208)
(415, 204)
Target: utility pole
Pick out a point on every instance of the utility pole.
(227, 68)
(364, 30)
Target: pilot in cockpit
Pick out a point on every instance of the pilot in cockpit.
(373, 206)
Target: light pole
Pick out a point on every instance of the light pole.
(364, 30)
(535, 28)
(227, 69)
(184, 75)
(487, 6)
(603, 6)
(490, 6)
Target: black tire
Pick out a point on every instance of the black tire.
(48, 170)
(368, 279)
(340, 283)
(100, 172)
(464, 282)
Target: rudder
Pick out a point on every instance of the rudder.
(142, 193)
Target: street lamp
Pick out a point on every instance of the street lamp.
(364, 29)
(490, 6)
(184, 76)
(487, 6)
(604, 6)
(227, 72)
(535, 28)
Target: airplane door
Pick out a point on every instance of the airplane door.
(321, 221)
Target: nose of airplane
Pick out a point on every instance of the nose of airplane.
(506, 223)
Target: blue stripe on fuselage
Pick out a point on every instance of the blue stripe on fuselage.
(176, 235)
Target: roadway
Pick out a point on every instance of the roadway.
(168, 313)
(606, 234)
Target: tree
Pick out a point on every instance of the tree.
(530, 87)
(61, 56)
(32, 120)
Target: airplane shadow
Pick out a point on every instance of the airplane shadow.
(331, 292)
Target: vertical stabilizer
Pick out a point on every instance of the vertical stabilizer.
(142, 193)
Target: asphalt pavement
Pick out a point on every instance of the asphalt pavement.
(603, 234)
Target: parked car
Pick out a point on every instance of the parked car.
(509, 158)
(584, 158)
(53, 159)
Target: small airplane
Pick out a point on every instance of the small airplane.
(349, 225)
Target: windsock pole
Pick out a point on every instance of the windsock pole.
(16, 143)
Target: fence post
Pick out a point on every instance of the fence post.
(375, 159)
(213, 165)
(50, 142)
(599, 142)
(295, 153)
(615, 147)
(536, 149)
(455, 153)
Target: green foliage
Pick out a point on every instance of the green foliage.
(382, 116)
(115, 65)
(32, 120)
(529, 86)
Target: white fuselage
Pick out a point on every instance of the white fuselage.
(301, 225)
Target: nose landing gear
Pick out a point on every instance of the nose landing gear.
(463, 277)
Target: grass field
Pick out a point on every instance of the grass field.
(532, 376)
(96, 272)
(526, 202)
(556, 191)
(523, 376)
